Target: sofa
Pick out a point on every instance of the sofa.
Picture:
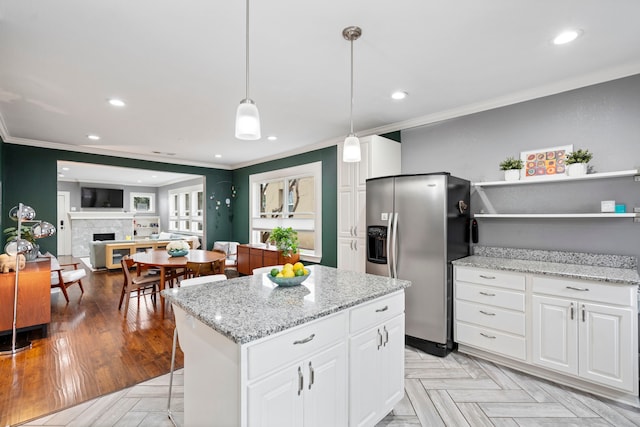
(97, 250)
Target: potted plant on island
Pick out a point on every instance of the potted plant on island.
(577, 162)
(511, 168)
(285, 239)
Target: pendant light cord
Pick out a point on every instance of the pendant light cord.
(351, 109)
(247, 53)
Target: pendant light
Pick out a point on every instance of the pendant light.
(351, 149)
(247, 116)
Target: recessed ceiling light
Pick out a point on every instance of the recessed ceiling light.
(60, 175)
(217, 156)
(154, 176)
(272, 138)
(117, 102)
(399, 95)
(65, 169)
(93, 137)
(566, 36)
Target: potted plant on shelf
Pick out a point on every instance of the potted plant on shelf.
(577, 162)
(285, 239)
(26, 233)
(511, 168)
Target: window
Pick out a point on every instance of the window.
(142, 202)
(186, 209)
(290, 197)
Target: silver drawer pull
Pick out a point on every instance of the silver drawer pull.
(487, 294)
(578, 289)
(306, 340)
(312, 376)
(300, 381)
(487, 313)
(488, 336)
(487, 277)
(380, 310)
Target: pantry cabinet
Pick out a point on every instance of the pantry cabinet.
(379, 157)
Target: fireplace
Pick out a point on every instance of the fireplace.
(104, 236)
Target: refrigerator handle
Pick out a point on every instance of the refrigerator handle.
(389, 240)
(395, 245)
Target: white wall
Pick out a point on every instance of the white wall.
(603, 118)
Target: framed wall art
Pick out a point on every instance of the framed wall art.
(545, 162)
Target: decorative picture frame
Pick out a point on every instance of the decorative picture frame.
(545, 162)
(143, 202)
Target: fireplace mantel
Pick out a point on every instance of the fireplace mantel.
(101, 215)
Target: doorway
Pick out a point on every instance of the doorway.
(64, 224)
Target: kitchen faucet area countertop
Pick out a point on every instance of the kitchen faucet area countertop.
(612, 269)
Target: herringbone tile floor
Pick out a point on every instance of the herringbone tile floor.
(457, 390)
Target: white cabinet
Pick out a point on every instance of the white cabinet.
(311, 392)
(380, 157)
(577, 336)
(376, 362)
(490, 311)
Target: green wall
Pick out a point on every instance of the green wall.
(328, 157)
(29, 175)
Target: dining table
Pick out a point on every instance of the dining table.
(160, 259)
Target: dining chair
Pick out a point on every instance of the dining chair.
(186, 282)
(197, 269)
(266, 269)
(62, 277)
(133, 283)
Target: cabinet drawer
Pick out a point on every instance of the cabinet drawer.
(376, 312)
(492, 296)
(296, 344)
(585, 290)
(491, 340)
(491, 317)
(483, 276)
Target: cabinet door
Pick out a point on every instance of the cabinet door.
(606, 345)
(362, 167)
(391, 366)
(364, 378)
(243, 260)
(346, 213)
(555, 334)
(345, 254)
(275, 401)
(359, 262)
(325, 394)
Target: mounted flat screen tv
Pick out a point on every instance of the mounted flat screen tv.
(101, 197)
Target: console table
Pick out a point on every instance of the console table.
(251, 256)
(34, 296)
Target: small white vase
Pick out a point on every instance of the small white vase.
(577, 169)
(512, 175)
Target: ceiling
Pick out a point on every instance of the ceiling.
(179, 66)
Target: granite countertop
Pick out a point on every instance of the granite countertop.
(613, 275)
(247, 308)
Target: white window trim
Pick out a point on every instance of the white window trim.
(193, 218)
(256, 223)
(152, 202)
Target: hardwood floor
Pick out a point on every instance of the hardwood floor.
(455, 391)
(90, 350)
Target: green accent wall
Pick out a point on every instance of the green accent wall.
(328, 157)
(29, 175)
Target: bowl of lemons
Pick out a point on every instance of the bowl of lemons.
(290, 275)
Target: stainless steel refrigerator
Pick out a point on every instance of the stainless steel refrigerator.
(417, 225)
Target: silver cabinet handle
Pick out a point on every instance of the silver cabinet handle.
(583, 313)
(386, 335)
(300, 381)
(380, 310)
(487, 277)
(312, 375)
(306, 340)
(488, 336)
(487, 294)
(355, 230)
(487, 313)
(351, 244)
(571, 311)
(379, 339)
(355, 245)
(578, 289)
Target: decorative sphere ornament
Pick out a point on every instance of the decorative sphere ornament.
(19, 246)
(27, 213)
(43, 229)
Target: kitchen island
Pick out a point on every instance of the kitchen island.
(327, 352)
